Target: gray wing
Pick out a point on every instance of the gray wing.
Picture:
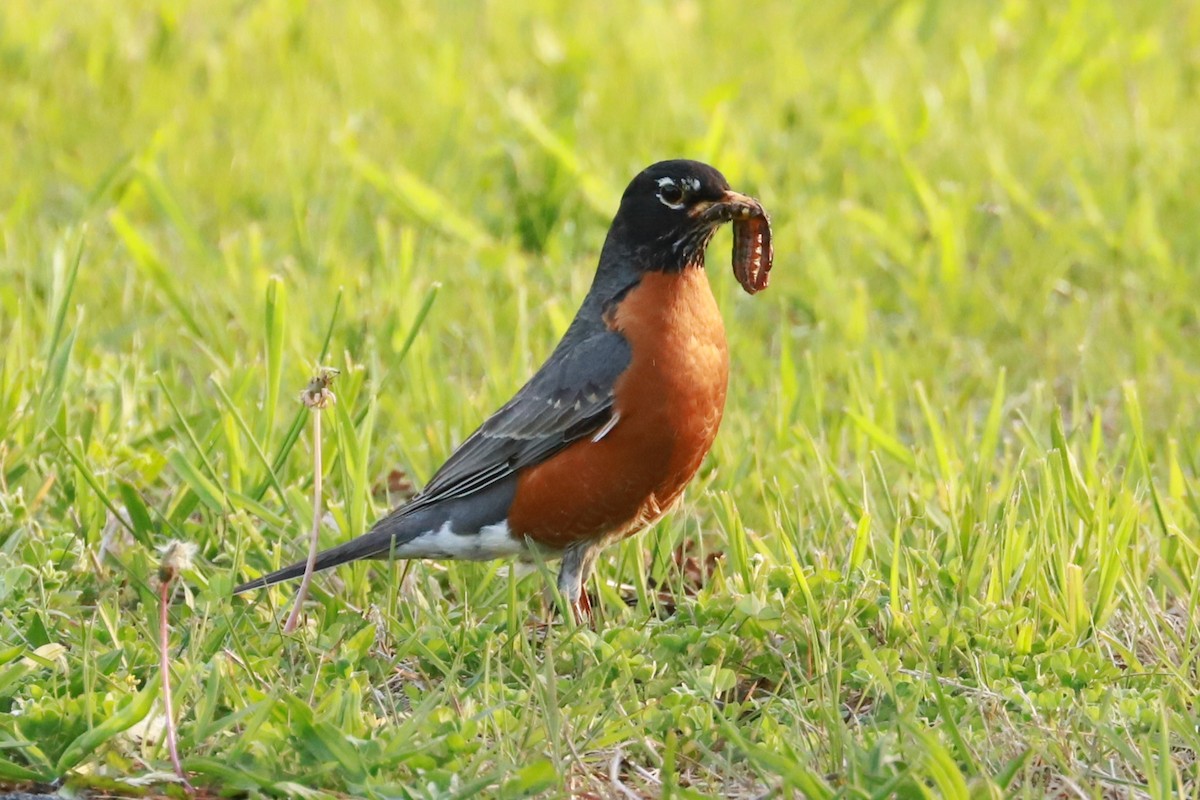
(569, 398)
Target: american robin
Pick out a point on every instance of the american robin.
(600, 443)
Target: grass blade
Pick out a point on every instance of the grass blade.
(276, 320)
(133, 712)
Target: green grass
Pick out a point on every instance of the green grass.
(955, 504)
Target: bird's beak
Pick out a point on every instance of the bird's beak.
(731, 207)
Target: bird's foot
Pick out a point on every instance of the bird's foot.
(582, 611)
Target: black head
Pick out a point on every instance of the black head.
(670, 211)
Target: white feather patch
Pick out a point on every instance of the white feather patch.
(492, 541)
(608, 426)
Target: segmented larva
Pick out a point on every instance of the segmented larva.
(752, 251)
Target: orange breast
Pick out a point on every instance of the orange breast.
(669, 403)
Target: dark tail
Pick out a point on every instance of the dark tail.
(370, 545)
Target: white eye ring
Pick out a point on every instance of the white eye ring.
(670, 194)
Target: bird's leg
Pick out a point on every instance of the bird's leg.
(582, 610)
(585, 575)
(577, 564)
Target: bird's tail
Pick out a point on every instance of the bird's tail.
(374, 544)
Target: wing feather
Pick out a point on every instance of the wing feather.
(569, 398)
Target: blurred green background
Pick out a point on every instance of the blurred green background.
(955, 494)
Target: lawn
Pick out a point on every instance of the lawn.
(947, 543)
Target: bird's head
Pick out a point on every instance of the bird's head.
(671, 210)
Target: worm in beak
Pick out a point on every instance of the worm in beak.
(753, 253)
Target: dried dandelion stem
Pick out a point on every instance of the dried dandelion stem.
(176, 557)
(316, 396)
(314, 535)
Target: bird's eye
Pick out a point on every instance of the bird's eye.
(670, 193)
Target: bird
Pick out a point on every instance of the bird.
(601, 441)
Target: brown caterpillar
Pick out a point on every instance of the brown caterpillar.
(753, 253)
